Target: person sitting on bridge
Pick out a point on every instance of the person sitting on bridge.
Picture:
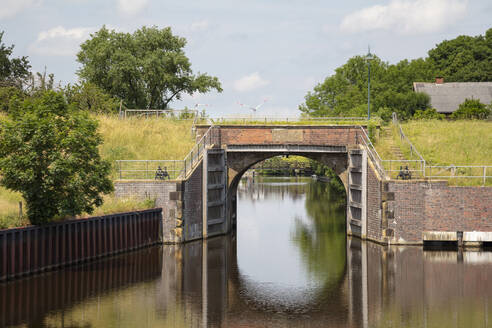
(404, 174)
(161, 174)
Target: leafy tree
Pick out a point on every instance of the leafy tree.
(49, 153)
(464, 59)
(147, 69)
(345, 92)
(471, 109)
(13, 71)
(89, 97)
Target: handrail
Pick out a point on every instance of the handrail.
(373, 154)
(210, 138)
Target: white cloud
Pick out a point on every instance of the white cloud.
(9, 8)
(60, 41)
(200, 25)
(132, 7)
(406, 16)
(250, 82)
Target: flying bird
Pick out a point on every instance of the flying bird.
(254, 109)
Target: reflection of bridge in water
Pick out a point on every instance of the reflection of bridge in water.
(199, 284)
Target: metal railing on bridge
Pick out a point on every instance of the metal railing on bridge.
(252, 119)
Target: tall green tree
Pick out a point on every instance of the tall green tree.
(49, 153)
(13, 71)
(464, 59)
(345, 92)
(147, 69)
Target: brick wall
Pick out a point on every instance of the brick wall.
(458, 209)
(374, 223)
(417, 206)
(192, 205)
(302, 135)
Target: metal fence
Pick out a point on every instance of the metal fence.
(38, 248)
(167, 113)
(149, 169)
(477, 172)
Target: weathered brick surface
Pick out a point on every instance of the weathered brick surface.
(302, 135)
(192, 205)
(458, 209)
(374, 224)
(433, 206)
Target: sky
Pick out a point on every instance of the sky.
(271, 51)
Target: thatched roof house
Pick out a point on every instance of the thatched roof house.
(446, 97)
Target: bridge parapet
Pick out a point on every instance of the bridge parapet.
(333, 135)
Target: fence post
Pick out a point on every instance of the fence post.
(484, 174)
(120, 166)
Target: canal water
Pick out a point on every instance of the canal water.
(289, 264)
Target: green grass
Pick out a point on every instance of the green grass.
(132, 138)
(452, 142)
(446, 143)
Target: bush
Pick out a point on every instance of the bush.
(471, 109)
(428, 114)
(7, 95)
(49, 153)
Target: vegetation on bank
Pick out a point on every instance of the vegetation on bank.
(132, 138)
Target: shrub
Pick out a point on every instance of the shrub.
(471, 109)
(428, 114)
(49, 153)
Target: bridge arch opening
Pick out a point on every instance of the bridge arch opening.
(239, 163)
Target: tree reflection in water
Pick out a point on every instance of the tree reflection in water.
(322, 239)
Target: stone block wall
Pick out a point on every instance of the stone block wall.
(167, 195)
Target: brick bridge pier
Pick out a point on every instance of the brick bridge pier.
(203, 203)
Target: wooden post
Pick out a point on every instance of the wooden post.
(20, 209)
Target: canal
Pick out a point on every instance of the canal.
(289, 264)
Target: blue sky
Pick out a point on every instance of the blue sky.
(274, 50)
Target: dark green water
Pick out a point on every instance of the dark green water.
(289, 264)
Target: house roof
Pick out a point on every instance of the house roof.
(446, 97)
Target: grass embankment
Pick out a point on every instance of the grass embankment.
(133, 138)
(444, 143)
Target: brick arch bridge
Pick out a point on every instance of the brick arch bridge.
(243, 146)
(202, 203)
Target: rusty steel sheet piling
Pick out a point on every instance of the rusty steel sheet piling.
(28, 250)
